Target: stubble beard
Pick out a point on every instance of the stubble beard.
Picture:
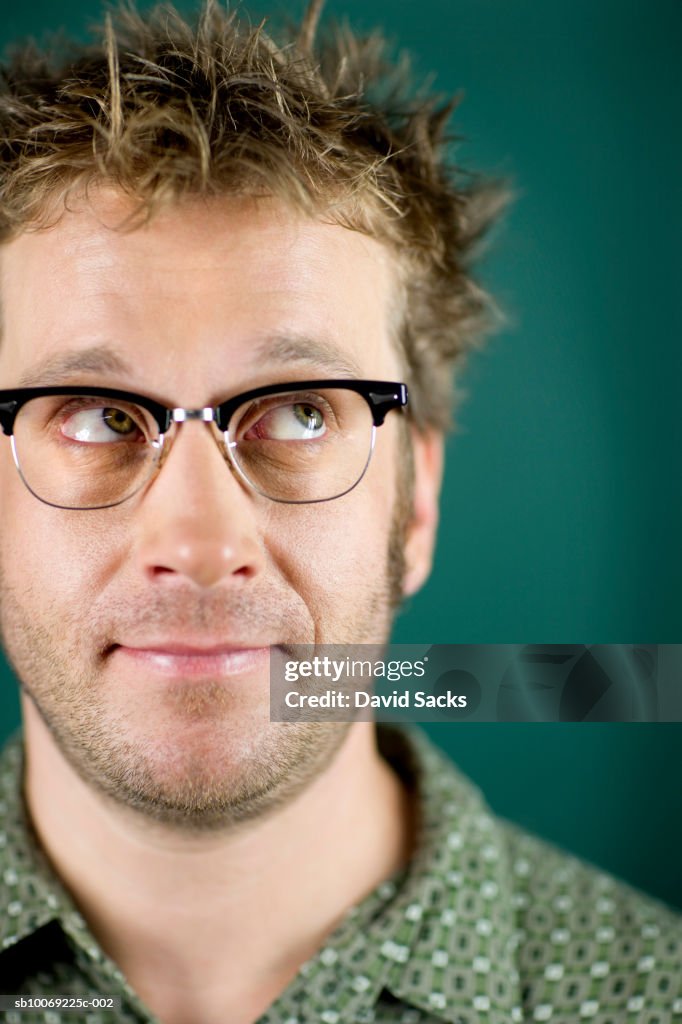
(231, 778)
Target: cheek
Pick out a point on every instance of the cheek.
(335, 548)
(47, 558)
(21, 536)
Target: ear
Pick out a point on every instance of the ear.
(428, 447)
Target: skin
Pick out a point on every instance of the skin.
(165, 797)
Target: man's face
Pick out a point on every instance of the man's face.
(103, 612)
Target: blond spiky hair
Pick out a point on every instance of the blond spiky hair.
(164, 109)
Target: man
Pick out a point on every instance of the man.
(221, 263)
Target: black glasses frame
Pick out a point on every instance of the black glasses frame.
(381, 397)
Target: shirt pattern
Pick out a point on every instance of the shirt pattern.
(486, 925)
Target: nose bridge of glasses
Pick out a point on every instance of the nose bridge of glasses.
(206, 415)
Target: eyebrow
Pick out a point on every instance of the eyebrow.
(58, 368)
(303, 349)
(61, 367)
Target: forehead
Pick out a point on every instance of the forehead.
(204, 284)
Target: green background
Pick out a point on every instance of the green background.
(563, 495)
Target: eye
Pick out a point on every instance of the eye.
(102, 424)
(295, 421)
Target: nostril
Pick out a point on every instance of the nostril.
(189, 549)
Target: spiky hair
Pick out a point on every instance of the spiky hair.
(164, 108)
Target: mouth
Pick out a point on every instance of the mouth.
(188, 661)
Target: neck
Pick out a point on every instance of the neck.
(173, 909)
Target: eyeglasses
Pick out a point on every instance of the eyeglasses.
(88, 448)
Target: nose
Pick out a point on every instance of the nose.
(196, 521)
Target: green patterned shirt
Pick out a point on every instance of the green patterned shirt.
(487, 925)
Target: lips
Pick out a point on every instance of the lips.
(192, 649)
(192, 659)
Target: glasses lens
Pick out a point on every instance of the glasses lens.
(84, 451)
(299, 446)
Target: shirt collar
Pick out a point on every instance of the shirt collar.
(441, 936)
(456, 903)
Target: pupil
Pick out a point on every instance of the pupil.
(118, 421)
(309, 416)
